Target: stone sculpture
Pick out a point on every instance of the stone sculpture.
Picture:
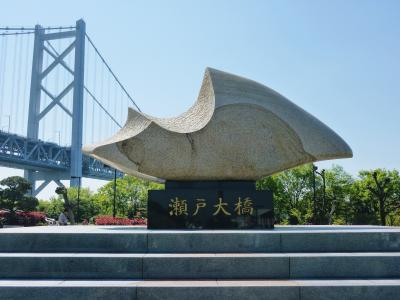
(237, 130)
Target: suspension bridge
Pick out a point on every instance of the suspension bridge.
(57, 92)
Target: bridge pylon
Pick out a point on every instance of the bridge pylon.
(76, 86)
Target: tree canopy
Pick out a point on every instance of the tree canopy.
(14, 194)
(371, 197)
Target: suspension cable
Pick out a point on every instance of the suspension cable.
(85, 104)
(102, 107)
(16, 33)
(56, 88)
(26, 81)
(3, 66)
(109, 130)
(102, 125)
(115, 97)
(112, 73)
(46, 99)
(21, 28)
(94, 87)
(13, 82)
(18, 78)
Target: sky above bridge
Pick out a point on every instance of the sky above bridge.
(339, 60)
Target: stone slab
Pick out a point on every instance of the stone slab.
(215, 266)
(204, 289)
(218, 293)
(217, 242)
(345, 265)
(364, 292)
(69, 266)
(74, 242)
(339, 241)
(199, 266)
(67, 293)
(125, 239)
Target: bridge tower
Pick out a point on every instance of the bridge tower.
(76, 86)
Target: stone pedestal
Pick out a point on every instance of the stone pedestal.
(210, 205)
(127, 262)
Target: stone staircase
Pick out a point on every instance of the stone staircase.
(89, 262)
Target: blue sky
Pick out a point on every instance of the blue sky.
(339, 60)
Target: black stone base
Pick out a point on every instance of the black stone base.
(210, 205)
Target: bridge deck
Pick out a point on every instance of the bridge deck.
(22, 153)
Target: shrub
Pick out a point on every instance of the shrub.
(139, 221)
(22, 218)
(109, 220)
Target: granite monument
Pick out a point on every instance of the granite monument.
(210, 156)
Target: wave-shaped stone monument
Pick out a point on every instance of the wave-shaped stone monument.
(210, 157)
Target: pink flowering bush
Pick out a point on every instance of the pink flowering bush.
(109, 220)
(22, 218)
(139, 221)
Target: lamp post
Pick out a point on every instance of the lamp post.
(59, 136)
(9, 123)
(346, 214)
(314, 169)
(322, 174)
(79, 198)
(115, 190)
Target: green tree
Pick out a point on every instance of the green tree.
(63, 192)
(131, 196)
(371, 198)
(292, 194)
(52, 207)
(393, 216)
(88, 208)
(338, 186)
(13, 194)
(376, 192)
(362, 209)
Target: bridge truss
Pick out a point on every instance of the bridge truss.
(46, 161)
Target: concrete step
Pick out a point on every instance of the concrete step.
(211, 289)
(200, 266)
(120, 239)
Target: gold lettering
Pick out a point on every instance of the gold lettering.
(178, 207)
(200, 203)
(244, 207)
(220, 207)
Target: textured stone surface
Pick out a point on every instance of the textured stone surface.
(67, 293)
(74, 242)
(69, 266)
(237, 130)
(340, 241)
(207, 289)
(345, 265)
(200, 266)
(128, 239)
(367, 291)
(215, 266)
(189, 242)
(218, 292)
(118, 275)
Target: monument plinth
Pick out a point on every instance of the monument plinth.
(210, 205)
(238, 131)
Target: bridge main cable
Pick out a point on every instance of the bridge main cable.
(112, 73)
(101, 106)
(7, 28)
